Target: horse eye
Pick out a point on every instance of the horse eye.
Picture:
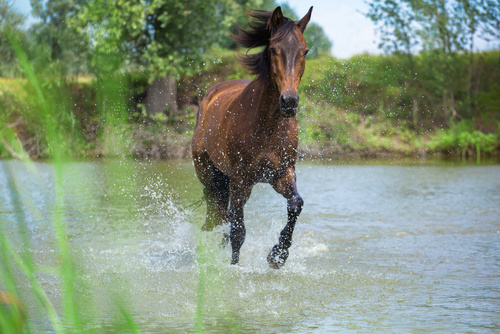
(274, 51)
(305, 52)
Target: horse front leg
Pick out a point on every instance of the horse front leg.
(239, 193)
(287, 187)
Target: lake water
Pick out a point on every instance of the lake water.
(379, 248)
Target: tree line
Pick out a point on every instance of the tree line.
(444, 31)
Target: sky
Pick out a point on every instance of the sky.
(343, 21)
(349, 29)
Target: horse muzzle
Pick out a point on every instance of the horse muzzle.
(289, 104)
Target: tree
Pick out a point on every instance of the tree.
(164, 39)
(11, 21)
(317, 40)
(63, 43)
(470, 13)
(490, 18)
(9, 16)
(398, 36)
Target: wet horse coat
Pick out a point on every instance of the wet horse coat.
(246, 131)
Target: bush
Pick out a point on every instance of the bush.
(461, 138)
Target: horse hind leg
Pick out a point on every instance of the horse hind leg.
(217, 198)
(240, 192)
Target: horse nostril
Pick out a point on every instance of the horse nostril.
(289, 100)
(283, 101)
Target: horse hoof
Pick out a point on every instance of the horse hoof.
(277, 257)
(235, 259)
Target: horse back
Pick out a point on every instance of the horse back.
(221, 94)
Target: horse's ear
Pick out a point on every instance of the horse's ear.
(276, 19)
(305, 20)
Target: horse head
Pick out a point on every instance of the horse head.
(287, 52)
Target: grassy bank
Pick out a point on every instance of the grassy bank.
(361, 106)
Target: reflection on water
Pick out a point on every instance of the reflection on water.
(378, 248)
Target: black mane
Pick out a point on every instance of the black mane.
(260, 33)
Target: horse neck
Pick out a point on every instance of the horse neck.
(267, 95)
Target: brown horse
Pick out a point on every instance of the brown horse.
(246, 131)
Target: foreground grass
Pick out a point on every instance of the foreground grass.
(46, 124)
(55, 126)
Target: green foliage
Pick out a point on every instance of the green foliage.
(363, 84)
(444, 26)
(319, 44)
(64, 44)
(322, 127)
(490, 101)
(326, 130)
(491, 19)
(46, 116)
(384, 85)
(11, 23)
(461, 138)
(444, 31)
(218, 65)
(160, 37)
(366, 103)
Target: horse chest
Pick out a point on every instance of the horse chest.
(270, 158)
(270, 166)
